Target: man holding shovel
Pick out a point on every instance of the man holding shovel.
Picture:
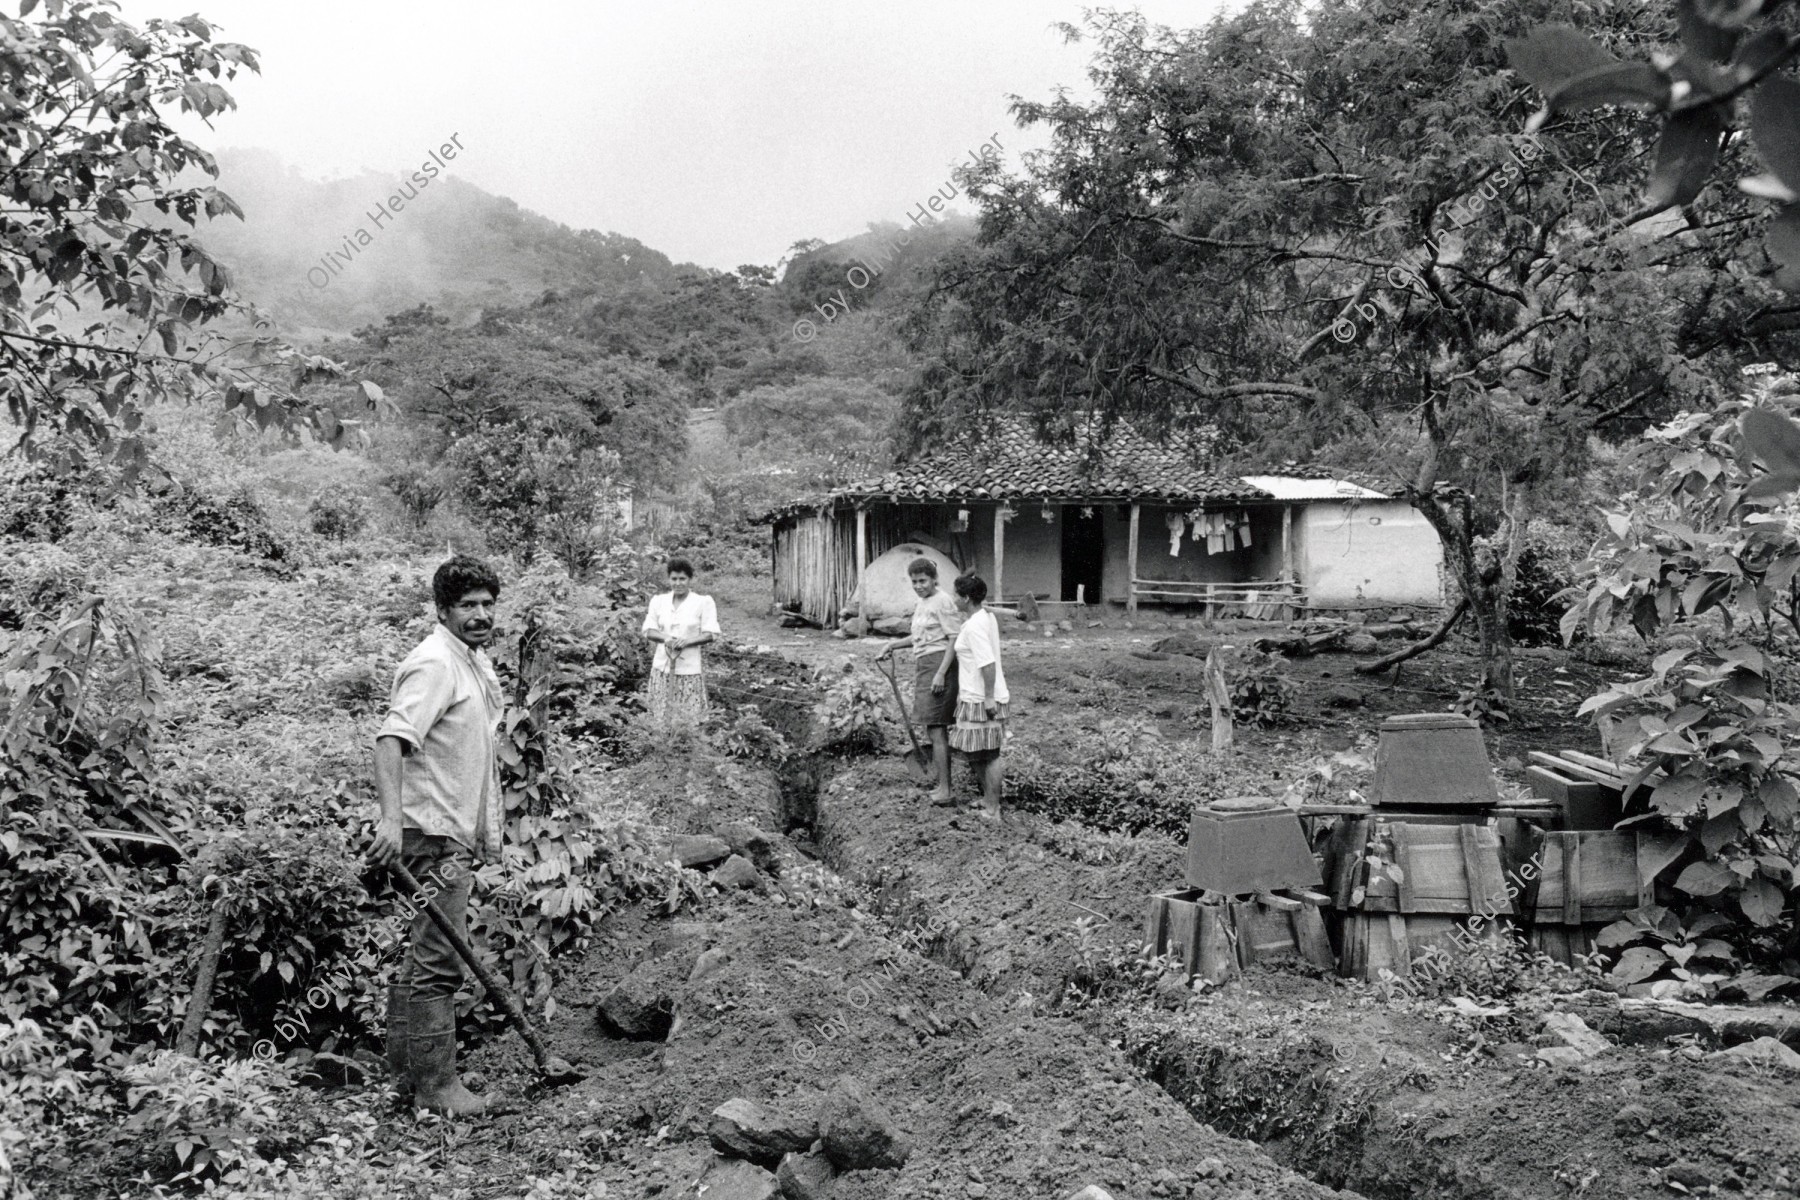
(438, 782)
(935, 621)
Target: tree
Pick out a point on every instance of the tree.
(1320, 227)
(509, 370)
(536, 488)
(95, 212)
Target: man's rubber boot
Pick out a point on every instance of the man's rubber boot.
(399, 1052)
(432, 1050)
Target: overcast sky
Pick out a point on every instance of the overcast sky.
(717, 131)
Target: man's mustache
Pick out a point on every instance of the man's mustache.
(479, 626)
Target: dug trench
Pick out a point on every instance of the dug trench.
(978, 982)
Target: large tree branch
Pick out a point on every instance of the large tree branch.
(1435, 639)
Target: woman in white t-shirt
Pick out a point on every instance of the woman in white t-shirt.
(679, 621)
(981, 691)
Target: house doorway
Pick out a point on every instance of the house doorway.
(1083, 551)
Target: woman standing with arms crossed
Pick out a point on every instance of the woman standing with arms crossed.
(935, 621)
(982, 696)
(680, 621)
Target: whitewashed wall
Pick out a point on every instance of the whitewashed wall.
(1367, 552)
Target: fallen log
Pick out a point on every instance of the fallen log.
(1417, 648)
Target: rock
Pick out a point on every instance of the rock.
(735, 1179)
(746, 1129)
(1181, 643)
(1560, 1056)
(738, 872)
(752, 843)
(1688, 1176)
(1066, 626)
(1632, 1119)
(1092, 1191)
(636, 1011)
(1764, 1050)
(1573, 1032)
(855, 627)
(1361, 643)
(709, 963)
(805, 1176)
(698, 849)
(1344, 697)
(858, 1132)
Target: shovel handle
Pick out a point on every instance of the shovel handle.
(509, 1003)
(886, 666)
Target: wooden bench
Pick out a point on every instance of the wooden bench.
(1264, 600)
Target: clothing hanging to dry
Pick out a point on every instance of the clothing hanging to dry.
(1177, 525)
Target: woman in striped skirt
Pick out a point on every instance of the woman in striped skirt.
(981, 691)
(679, 621)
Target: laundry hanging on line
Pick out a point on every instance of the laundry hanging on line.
(1221, 531)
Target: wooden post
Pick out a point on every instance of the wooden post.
(999, 551)
(1131, 562)
(1219, 695)
(862, 545)
(1287, 555)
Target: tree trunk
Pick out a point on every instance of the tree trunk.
(1485, 576)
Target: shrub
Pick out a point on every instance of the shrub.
(418, 491)
(1261, 693)
(1546, 569)
(848, 719)
(235, 520)
(339, 516)
(205, 1119)
(1126, 776)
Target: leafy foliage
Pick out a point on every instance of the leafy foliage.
(95, 164)
(1126, 776)
(339, 517)
(236, 520)
(1261, 692)
(1702, 549)
(849, 717)
(207, 1120)
(1721, 60)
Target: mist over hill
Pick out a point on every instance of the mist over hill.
(299, 254)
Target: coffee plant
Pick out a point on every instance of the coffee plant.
(1708, 551)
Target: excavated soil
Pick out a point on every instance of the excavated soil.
(932, 956)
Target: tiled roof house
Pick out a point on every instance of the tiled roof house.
(1131, 520)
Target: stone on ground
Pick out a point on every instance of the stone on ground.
(698, 849)
(636, 1010)
(735, 1179)
(858, 1132)
(757, 1132)
(738, 872)
(805, 1176)
(752, 843)
(1092, 1191)
(1765, 1050)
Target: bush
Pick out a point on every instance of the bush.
(204, 1120)
(235, 520)
(338, 516)
(419, 492)
(1546, 569)
(1125, 777)
(1261, 693)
